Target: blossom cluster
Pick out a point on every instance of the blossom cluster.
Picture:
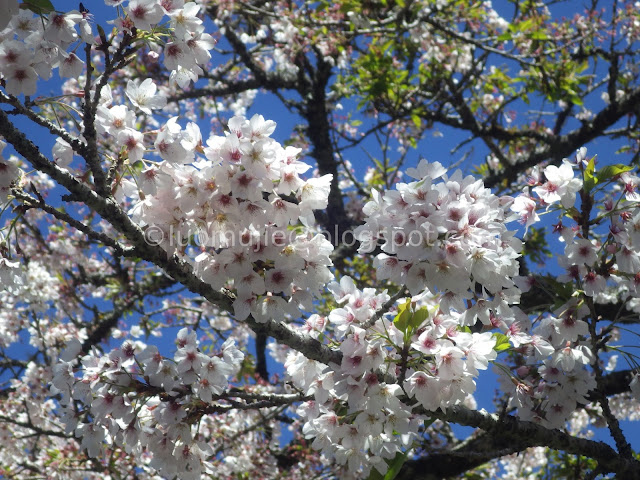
(365, 410)
(356, 415)
(239, 203)
(447, 236)
(137, 399)
(552, 378)
(9, 173)
(32, 48)
(239, 209)
(33, 45)
(471, 262)
(362, 412)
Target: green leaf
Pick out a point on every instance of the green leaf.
(38, 6)
(573, 212)
(624, 149)
(401, 321)
(611, 171)
(418, 317)
(525, 25)
(502, 342)
(407, 321)
(396, 465)
(378, 164)
(539, 35)
(375, 475)
(576, 100)
(590, 179)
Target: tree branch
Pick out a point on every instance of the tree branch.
(512, 435)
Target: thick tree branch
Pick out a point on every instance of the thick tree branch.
(516, 435)
(30, 202)
(214, 91)
(540, 297)
(488, 445)
(261, 356)
(563, 146)
(336, 221)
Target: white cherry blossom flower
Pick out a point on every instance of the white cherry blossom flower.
(581, 252)
(144, 96)
(133, 142)
(8, 8)
(61, 27)
(70, 66)
(560, 186)
(184, 20)
(315, 192)
(145, 13)
(23, 23)
(20, 79)
(525, 207)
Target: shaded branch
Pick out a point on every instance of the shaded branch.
(558, 147)
(509, 435)
(485, 446)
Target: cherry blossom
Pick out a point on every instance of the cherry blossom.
(144, 96)
(145, 13)
(560, 186)
(8, 9)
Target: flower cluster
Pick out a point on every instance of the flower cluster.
(429, 349)
(10, 275)
(38, 46)
(28, 290)
(357, 415)
(135, 398)
(447, 236)
(239, 210)
(238, 204)
(33, 45)
(552, 378)
(188, 50)
(360, 414)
